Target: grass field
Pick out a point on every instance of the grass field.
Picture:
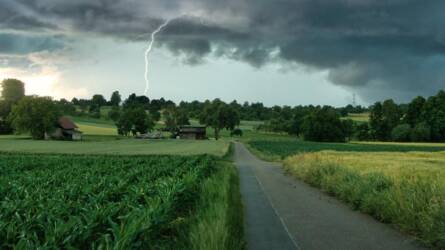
(118, 202)
(114, 145)
(279, 149)
(363, 117)
(91, 126)
(403, 188)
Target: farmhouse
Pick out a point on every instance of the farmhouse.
(65, 130)
(192, 132)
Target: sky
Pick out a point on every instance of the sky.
(279, 52)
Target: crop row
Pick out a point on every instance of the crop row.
(285, 148)
(91, 202)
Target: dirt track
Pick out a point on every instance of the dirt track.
(283, 213)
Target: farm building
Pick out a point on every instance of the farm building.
(65, 130)
(192, 132)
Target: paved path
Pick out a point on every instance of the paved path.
(283, 213)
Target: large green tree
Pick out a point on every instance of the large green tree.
(12, 90)
(219, 115)
(384, 118)
(324, 125)
(115, 99)
(98, 100)
(135, 120)
(35, 115)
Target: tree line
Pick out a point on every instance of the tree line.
(421, 120)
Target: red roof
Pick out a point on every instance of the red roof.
(66, 123)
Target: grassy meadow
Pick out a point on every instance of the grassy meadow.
(114, 145)
(406, 189)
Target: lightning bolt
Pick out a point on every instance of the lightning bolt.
(148, 50)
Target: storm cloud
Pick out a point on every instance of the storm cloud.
(371, 47)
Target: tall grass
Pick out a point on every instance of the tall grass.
(404, 189)
(218, 222)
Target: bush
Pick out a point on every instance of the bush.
(401, 133)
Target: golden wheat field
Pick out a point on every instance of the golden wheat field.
(405, 189)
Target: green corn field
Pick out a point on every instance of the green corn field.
(97, 202)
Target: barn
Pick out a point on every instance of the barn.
(65, 130)
(193, 132)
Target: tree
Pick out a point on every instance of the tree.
(115, 99)
(114, 113)
(434, 115)
(421, 133)
(35, 115)
(323, 125)
(348, 128)
(12, 90)
(384, 118)
(219, 115)
(401, 133)
(414, 111)
(174, 117)
(98, 100)
(362, 132)
(134, 120)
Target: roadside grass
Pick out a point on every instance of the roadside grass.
(218, 221)
(112, 145)
(406, 189)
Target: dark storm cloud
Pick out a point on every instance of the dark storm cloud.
(20, 44)
(374, 47)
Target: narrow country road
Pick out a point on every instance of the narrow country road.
(283, 213)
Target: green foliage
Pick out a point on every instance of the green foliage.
(284, 148)
(401, 133)
(348, 128)
(420, 114)
(114, 113)
(115, 99)
(135, 120)
(34, 115)
(98, 101)
(384, 118)
(173, 118)
(324, 125)
(413, 202)
(12, 90)
(236, 132)
(99, 202)
(66, 107)
(219, 115)
(218, 221)
(421, 132)
(362, 132)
